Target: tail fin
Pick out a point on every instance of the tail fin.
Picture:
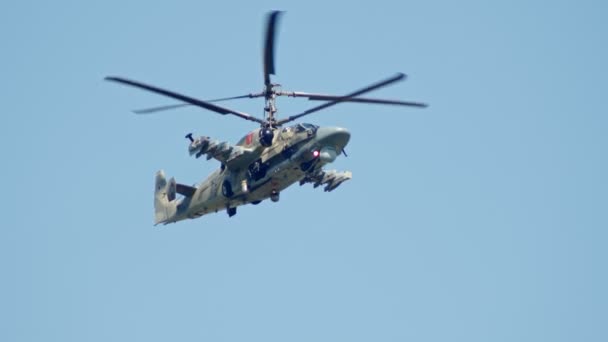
(164, 198)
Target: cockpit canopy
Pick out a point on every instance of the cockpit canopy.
(301, 127)
(305, 126)
(297, 128)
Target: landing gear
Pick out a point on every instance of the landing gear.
(231, 211)
(227, 189)
(274, 196)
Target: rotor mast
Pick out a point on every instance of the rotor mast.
(270, 107)
(270, 91)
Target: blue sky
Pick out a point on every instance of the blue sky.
(480, 218)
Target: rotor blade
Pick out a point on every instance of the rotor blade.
(199, 103)
(160, 108)
(324, 97)
(248, 96)
(397, 77)
(271, 23)
(179, 105)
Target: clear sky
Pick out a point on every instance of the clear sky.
(480, 218)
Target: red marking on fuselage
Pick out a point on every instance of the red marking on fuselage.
(249, 138)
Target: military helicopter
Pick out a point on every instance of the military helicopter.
(265, 161)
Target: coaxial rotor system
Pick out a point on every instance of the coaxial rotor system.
(270, 92)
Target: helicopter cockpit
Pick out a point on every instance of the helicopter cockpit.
(306, 127)
(290, 131)
(285, 133)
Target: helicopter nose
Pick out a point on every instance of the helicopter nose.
(333, 136)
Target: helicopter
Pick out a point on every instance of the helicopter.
(266, 160)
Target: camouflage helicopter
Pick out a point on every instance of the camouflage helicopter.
(266, 160)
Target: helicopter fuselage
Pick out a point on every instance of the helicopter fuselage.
(297, 152)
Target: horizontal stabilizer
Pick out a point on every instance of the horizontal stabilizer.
(185, 190)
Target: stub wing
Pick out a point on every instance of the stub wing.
(232, 156)
(331, 179)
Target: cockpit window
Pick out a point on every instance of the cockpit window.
(311, 126)
(305, 126)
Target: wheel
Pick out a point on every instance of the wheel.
(256, 202)
(227, 189)
(274, 196)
